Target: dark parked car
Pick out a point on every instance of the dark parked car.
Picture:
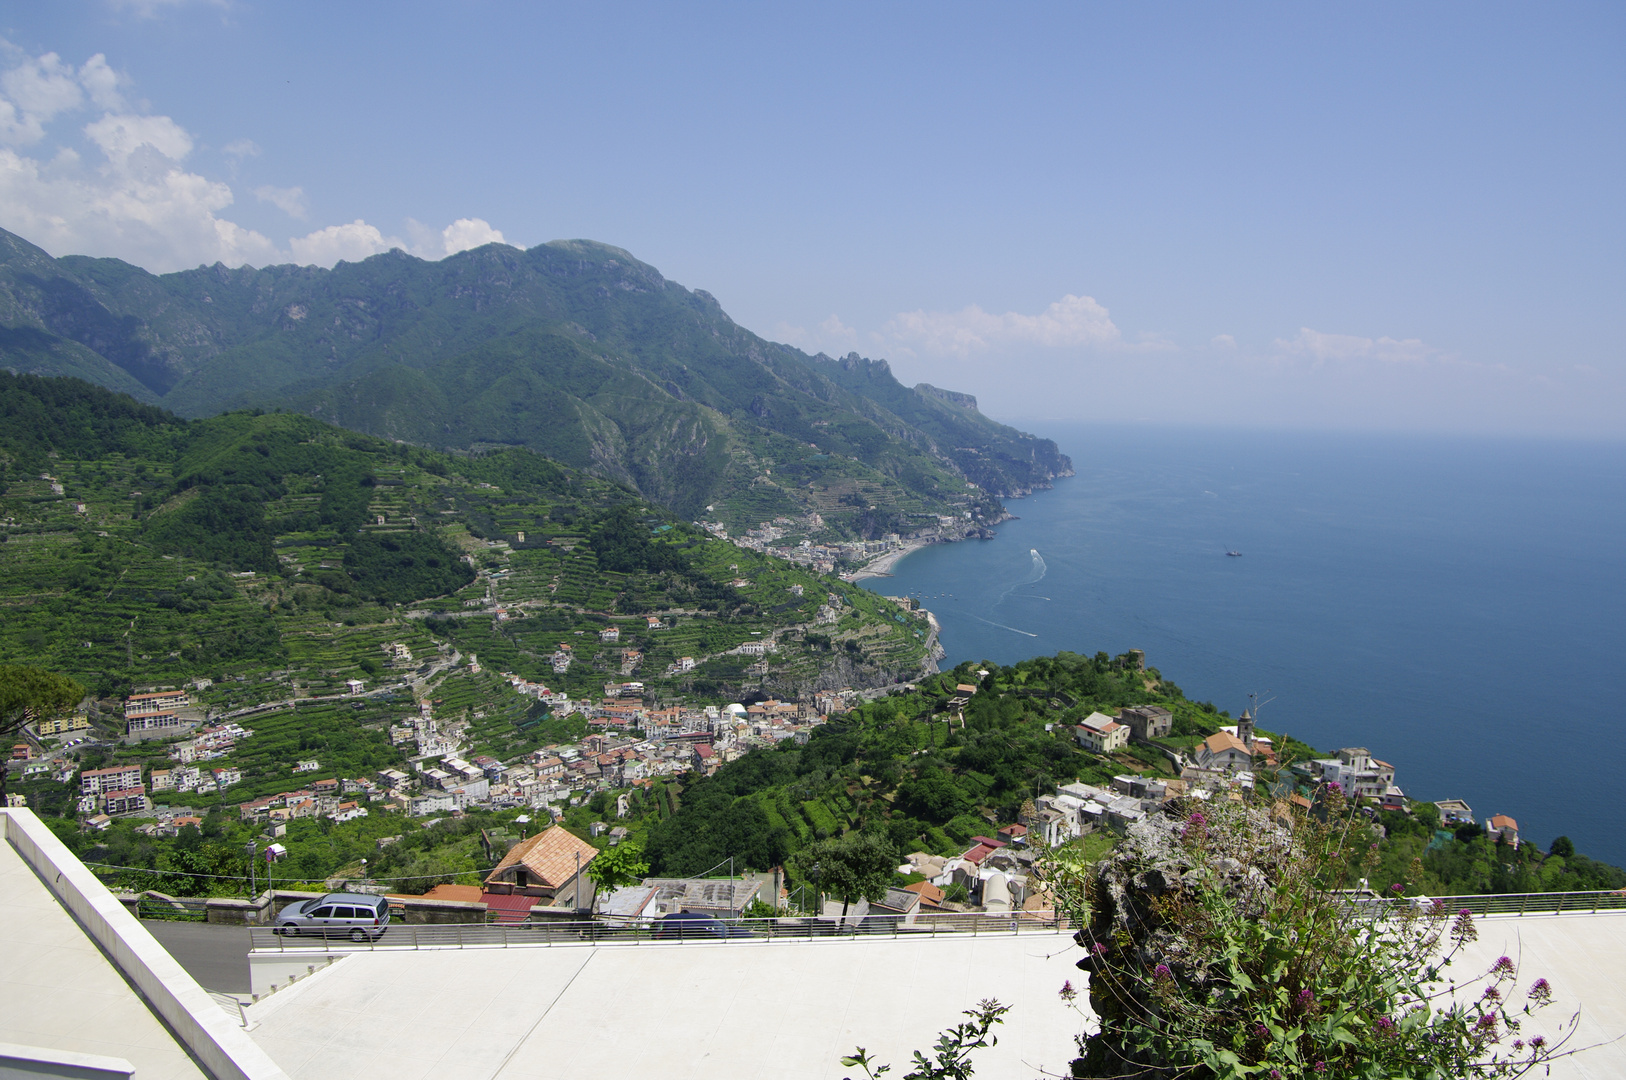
(352, 915)
(695, 925)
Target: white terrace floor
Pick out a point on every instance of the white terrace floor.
(58, 990)
(677, 1011)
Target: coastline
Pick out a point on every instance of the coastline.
(881, 565)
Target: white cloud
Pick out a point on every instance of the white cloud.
(39, 89)
(350, 243)
(1070, 321)
(466, 233)
(1222, 341)
(122, 136)
(1322, 347)
(101, 82)
(129, 195)
(290, 200)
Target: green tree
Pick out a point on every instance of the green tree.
(853, 867)
(31, 693)
(615, 867)
(1563, 847)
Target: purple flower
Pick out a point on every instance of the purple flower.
(1541, 992)
(1067, 991)
(1397, 888)
(1260, 1030)
(1518, 1044)
(1503, 966)
(1487, 1022)
(1100, 949)
(1275, 1074)
(1197, 818)
(1335, 787)
(1384, 1025)
(1305, 997)
(1537, 1042)
(1491, 994)
(1321, 1066)
(1162, 972)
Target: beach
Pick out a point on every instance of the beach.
(881, 565)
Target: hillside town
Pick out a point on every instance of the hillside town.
(633, 740)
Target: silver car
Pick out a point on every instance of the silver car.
(352, 915)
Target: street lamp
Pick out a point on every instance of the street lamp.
(252, 850)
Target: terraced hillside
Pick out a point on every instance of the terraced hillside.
(272, 558)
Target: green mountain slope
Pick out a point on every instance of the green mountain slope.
(573, 348)
(279, 556)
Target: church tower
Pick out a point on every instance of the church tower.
(1244, 729)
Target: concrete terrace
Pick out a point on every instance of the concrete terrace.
(689, 1010)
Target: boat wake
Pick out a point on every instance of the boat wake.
(1036, 572)
(1002, 626)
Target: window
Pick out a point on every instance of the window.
(322, 913)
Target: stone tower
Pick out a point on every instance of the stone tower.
(1244, 729)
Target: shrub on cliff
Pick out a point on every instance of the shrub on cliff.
(1221, 943)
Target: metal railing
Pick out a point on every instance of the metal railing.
(399, 936)
(1553, 903)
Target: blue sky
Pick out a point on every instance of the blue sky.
(1368, 217)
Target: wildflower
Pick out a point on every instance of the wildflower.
(1537, 1042)
(1197, 818)
(1334, 788)
(1518, 1044)
(1260, 1030)
(1384, 1025)
(1487, 1022)
(1463, 928)
(1541, 993)
(1162, 972)
(1067, 991)
(1503, 966)
(1305, 997)
(1439, 907)
(1491, 994)
(1275, 1074)
(1397, 888)
(1320, 1066)
(1100, 949)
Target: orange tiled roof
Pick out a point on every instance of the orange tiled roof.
(549, 857)
(929, 893)
(1221, 741)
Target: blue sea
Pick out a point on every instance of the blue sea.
(1456, 605)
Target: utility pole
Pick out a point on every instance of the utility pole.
(252, 850)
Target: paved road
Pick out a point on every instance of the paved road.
(216, 956)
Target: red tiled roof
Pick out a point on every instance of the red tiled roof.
(508, 907)
(549, 857)
(977, 854)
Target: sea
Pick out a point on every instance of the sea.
(1456, 605)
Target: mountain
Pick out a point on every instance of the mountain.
(275, 555)
(573, 349)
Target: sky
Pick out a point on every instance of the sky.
(1365, 217)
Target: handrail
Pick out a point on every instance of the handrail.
(403, 936)
(1553, 903)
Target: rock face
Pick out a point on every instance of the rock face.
(1137, 900)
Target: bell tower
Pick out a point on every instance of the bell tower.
(1244, 729)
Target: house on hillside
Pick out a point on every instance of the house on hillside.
(1224, 752)
(1502, 827)
(1147, 722)
(1454, 812)
(1101, 733)
(548, 866)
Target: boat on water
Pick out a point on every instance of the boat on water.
(1234, 554)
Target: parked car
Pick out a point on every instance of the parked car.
(352, 915)
(680, 925)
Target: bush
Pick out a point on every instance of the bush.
(1220, 944)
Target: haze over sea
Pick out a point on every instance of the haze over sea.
(1456, 605)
